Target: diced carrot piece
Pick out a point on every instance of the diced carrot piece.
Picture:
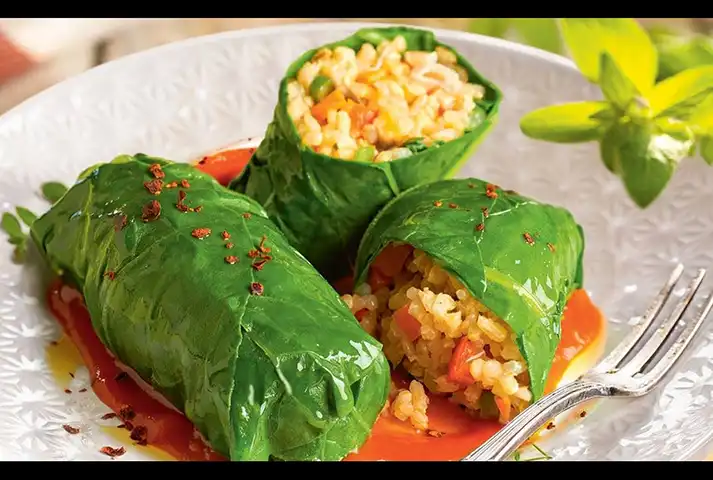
(459, 366)
(378, 280)
(391, 259)
(360, 314)
(407, 323)
(361, 115)
(333, 101)
(504, 405)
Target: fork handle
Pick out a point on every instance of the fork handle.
(509, 438)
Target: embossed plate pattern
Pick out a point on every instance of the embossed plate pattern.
(184, 99)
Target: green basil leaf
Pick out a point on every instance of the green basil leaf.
(680, 95)
(608, 151)
(701, 119)
(543, 33)
(12, 226)
(616, 86)
(647, 159)
(492, 27)
(565, 123)
(707, 149)
(626, 41)
(678, 51)
(27, 217)
(53, 191)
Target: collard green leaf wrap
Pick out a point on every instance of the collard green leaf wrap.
(324, 204)
(523, 265)
(288, 374)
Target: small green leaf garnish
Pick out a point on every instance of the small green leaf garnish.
(707, 150)
(647, 159)
(12, 227)
(565, 123)
(680, 95)
(53, 191)
(27, 217)
(616, 86)
(623, 38)
(516, 456)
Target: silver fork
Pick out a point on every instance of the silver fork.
(612, 377)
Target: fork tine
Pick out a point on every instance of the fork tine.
(613, 360)
(659, 337)
(653, 377)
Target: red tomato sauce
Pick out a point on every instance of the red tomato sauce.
(170, 431)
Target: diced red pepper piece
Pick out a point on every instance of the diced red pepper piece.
(407, 323)
(459, 366)
(391, 259)
(378, 280)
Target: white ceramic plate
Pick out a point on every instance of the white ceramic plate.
(188, 98)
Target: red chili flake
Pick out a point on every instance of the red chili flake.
(108, 416)
(110, 275)
(437, 203)
(550, 426)
(256, 288)
(435, 433)
(82, 390)
(154, 186)
(67, 391)
(70, 429)
(266, 258)
(127, 412)
(121, 376)
(253, 253)
(490, 191)
(262, 246)
(54, 343)
(113, 452)
(247, 215)
(551, 247)
(582, 414)
(231, 259)
(200, 233)
(528, 238)
(202, 161)
(71, 374)
(181, 197)
(486, 349)
(156, 171)
(197, 209)
(185, 184)
(120, 223)
(225, 235)
(151, 211)
(171, 185)
(259, 264)
(126, 426)
(480, 227)
(486, 212)
(139, 434)
(229, 245)
(452, 205)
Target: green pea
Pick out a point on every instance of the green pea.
(365, 154)
(320, 87)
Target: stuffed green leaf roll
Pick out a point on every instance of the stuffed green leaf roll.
(357, 122)
(465, 285)
(193, 287)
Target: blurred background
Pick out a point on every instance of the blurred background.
(37, 53)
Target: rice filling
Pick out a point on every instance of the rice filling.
(447, 340)
(367, 105)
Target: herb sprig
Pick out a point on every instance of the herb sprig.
(11, 224)
(644, 129)
(542, 455)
